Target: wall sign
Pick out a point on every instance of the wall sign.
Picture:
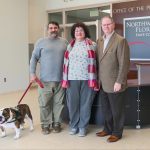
(137, 33)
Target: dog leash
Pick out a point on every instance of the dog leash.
(37, 81)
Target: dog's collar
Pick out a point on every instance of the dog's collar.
(5, 121)
(13, 120)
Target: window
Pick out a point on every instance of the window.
(90, 16)
(58, 17)
(87, 15)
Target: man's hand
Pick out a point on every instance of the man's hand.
(117, 87)
(32, 78)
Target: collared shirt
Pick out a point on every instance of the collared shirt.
(106, 40)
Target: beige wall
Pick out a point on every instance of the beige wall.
(37, 19)
(59, 4)
(23, 22)
(13, 45)
(38, 14)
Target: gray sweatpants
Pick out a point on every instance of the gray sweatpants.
(79, 101)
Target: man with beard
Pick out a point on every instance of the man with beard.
(49, 52)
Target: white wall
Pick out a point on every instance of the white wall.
(13, 45)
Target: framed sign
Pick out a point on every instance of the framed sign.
(137, 33)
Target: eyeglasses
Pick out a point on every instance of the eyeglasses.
(109, 24)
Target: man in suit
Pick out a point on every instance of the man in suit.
(113, 61)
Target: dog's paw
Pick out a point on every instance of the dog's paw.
(16, 137)
(3, 134)
(22, 127)
(31, 128)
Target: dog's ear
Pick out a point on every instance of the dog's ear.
(6, 113)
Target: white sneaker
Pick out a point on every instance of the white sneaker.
(82, 132)
(73, 131)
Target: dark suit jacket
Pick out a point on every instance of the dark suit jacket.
(113, 64)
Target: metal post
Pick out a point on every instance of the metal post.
(138, 109)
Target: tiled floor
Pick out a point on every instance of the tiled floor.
(133, 139)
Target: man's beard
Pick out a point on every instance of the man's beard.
(54, 34)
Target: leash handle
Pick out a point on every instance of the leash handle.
(38, 82)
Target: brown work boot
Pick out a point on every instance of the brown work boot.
(45, 130)
(56, 127)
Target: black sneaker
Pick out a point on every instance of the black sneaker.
(56, 128)
(46, 130)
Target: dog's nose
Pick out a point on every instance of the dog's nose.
(0, 118)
